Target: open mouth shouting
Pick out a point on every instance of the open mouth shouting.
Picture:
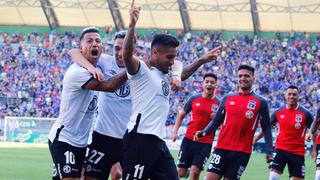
(94, 52)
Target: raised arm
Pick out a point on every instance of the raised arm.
(109, 85)
(191, 68)
(78, 58)
(132, 63)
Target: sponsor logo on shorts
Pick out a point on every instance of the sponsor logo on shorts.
(213, 167)
(88, 168)
(66, 169)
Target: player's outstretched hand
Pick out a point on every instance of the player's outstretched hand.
(269, 159)
(199, 134)
(134, 13)
(211, 55)
(96, 73)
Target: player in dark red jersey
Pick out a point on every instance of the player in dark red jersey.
(238, 115)
(194, 154)
(316, 149)
(293, 121)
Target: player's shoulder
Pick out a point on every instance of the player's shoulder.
(225, 97)
(104, 57)
(281, 108)
(258, 96)
(195, 96)
(76, 68)
(106, 60)
(304, 110)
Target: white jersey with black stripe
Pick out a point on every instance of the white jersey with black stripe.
(114, 107)
(150, 91)
(77, 108)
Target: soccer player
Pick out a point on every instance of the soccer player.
(145, 154)
(293, 121)
(316, 149)
(238, 115)
(69, 135)
(113, 116)
(194, 154)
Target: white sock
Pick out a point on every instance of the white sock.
(274, 176)
(317, 177)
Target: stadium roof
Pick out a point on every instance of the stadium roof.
(233, 15)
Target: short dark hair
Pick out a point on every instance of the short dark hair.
(120, 35)
(210, 75)
(164, 40)
(293, 87)
(246, 67)
(88, 30)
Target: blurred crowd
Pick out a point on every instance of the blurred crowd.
(32, 68)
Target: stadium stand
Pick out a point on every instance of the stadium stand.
(32, 67)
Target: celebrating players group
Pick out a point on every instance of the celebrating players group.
(133, 100)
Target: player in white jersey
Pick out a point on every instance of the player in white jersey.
(113, 116)
(69, 135)
(145, 154)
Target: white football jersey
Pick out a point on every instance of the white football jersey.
(77, 108)
(114, 107)
(150, 91)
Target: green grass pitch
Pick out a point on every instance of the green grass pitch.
(29, 163)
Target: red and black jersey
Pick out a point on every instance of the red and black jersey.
(239, 115)
(201, 109)
(318, 121)
(293, 124)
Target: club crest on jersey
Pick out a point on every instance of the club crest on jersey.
(165, 87)
(214, 108)
(197, 104)
(93, 104)
(123, 90)
(297, 125)
(251, 105)
(298, 118)
(249, 114)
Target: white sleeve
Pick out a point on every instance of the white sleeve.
(143, 68)
(77, 77)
